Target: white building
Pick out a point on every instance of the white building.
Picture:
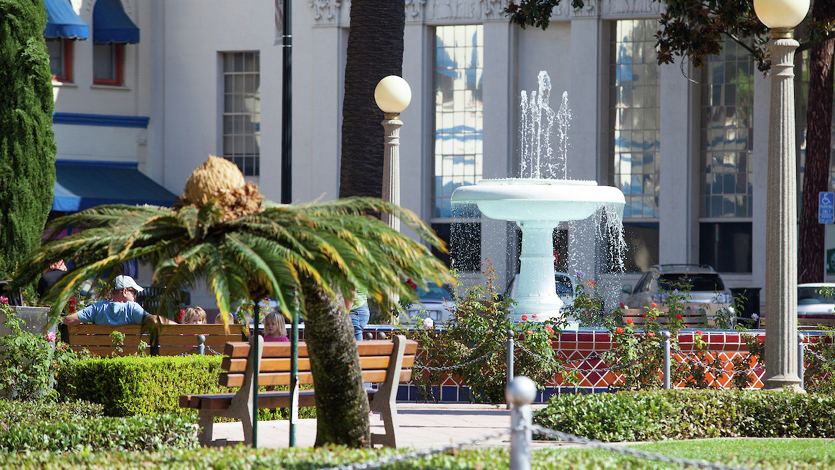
(687, 146)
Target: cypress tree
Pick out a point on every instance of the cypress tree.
(27, 144)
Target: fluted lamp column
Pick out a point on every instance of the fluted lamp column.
(781, 200)
(392, 95)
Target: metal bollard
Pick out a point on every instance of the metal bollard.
(201, 344)
(666, 336)
(521, 393)
(801, 363)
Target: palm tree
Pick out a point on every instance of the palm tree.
(245, 250)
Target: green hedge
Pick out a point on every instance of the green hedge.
(63, 427)
(139, 385)
(690, 414)
(145, 385)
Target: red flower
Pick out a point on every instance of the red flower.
(549, 329)
(524, 318)
(650, 334)
(629, 320)
(411, 284)
(644, 315)
(621, 305)
(619, 330)
(530, 332)
(698, 332)
(678, 315)
(533, 316)
(653, 305)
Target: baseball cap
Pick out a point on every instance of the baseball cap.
(126, 282)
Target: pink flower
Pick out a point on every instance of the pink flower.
(524, 318)
(50, 336)
(4, 300)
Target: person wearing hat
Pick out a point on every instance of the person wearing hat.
(121, 309)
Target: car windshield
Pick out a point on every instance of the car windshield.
(563, 284)
(815, 295)
(435, 292)
(695, 282)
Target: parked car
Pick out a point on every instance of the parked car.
(705, 287)
(565, 285)
(815, 298)
(435, 302)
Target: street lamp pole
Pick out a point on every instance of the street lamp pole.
(392, 95)
(781, 199)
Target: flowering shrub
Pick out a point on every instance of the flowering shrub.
(28, 360)
(479, 326)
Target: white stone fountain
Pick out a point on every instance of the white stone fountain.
(538, 205)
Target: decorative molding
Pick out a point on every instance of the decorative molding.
(326, 12)
(630, 7)
(78, 119)
(415, 11)
(493, 9)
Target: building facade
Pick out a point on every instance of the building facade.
(688, 147)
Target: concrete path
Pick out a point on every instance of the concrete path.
(421, 426)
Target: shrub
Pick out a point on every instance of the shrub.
(134, 385)
(690, 414)
(479, 326)
(63, 427)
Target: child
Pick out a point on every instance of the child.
(194, 316)
(274, 329)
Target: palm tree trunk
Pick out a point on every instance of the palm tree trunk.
(375, 51)
(341, 403)
(816, 175)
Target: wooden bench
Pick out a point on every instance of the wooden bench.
(691, 317)
(387, 362)
(173, 340)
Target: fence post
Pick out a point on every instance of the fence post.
(509, 362)
(801, 363)
(201, 344)
(666, 336)
(521, 393)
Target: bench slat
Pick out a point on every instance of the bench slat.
(269, 364)
(305, 378)
(377, 347)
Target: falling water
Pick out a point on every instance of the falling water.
(563, 123)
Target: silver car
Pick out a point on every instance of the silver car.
(435, 302)
(815, 298)
(706, 289)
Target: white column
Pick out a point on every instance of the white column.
(391, 166)
(679, 193)
(500, 126)
(781, 232)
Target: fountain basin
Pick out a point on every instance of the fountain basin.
(525, 199)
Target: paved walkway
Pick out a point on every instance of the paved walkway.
(421, 426)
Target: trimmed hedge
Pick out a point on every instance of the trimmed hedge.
(63, 427)
(690, 414)
(145, 385)
(140, 385)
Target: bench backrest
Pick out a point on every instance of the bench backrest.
(172, 340)
(375, 356)
(690, 318)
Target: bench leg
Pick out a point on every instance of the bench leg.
(388, 413)
(206, 423)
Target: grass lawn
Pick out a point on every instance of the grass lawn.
(750, 453)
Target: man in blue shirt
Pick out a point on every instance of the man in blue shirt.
(121, 309)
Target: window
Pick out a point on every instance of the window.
(635, 117)
(60, 59)
(242, 111)
(457, 159)
(727, 165)
(108, 64)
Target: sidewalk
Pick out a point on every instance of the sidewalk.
(422, 425)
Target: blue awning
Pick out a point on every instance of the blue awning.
(63, 22)
(81, 185)
(111, 23)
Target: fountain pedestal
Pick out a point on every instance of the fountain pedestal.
(536, 293)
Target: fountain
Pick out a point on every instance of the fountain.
(538, 204)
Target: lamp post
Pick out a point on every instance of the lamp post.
(392, 96)
(781, 199)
